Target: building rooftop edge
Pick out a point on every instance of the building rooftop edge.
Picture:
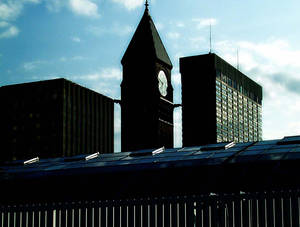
(52, 80)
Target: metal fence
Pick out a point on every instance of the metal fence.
(239, 209)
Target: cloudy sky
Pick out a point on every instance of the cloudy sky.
(84, 40)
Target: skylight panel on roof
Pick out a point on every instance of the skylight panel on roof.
(218, 146)
(30, 161)
(147, 152)
(92, 156)
(82, 157)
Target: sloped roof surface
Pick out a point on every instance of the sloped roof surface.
(222, 167)
(146, 41)
(287, 148)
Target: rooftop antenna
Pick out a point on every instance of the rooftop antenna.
(237, 59)
(210, 36)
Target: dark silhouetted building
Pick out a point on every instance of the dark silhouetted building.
(219, 103)
(54, 118)
(146, 91)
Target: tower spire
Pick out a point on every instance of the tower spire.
(146, 4)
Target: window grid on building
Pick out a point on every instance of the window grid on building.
(238, 116)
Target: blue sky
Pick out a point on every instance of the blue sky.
(84, 40)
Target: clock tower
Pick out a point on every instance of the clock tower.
(146, 91)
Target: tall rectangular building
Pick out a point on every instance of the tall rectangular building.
(54, 118)
(219, 103)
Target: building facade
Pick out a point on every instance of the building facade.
(146, 91)
(54, 118)
(219, 103)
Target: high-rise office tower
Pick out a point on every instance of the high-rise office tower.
(219, 103)
(54, 118)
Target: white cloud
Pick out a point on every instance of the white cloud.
(176, 78)
(55, 5)
(11, 9)
(4, 24)
(173, 35)
(84, 8)
(177, 128)
(204, 22)
(130, 4)
(106, 81)
(29, 66)
(115, 29)
(180, 24)
(159, 26)
(76, 39)
(11, 31)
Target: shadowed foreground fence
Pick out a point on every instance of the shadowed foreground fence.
(254, 184)
(255, 209)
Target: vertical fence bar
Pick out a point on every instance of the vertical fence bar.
(206, 213)
(124, 216)
(245, 212)
(138, 215)
(182, 212)
(5, 218)
(254, 212)
(24, 218)
(103, 215)
(222, 209)
(237, 212)
(83, 219)
(159, 212)
(117, 219)
(43, 217)
(131, 214)
(18, 217)
(63, 216)
(190, 216)
(70, 215)
(270, 210)
(287, 210)
(145, 214)
(30, 217)
(278, 211)
(230, 213)
(167, 214)
(110, 214)
(214, 204)
(89, 214)
(174, 219)
(152, 214)
(199, 213)
(76, 216)
(262, 210)
(97, 214)
(295, 210)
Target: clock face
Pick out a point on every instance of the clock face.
(162, 83)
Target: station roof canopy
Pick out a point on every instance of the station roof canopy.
(222, 167)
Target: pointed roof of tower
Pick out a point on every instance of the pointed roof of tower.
(146, 41)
